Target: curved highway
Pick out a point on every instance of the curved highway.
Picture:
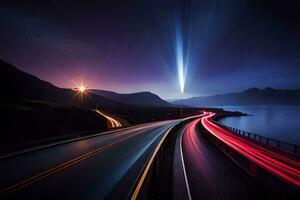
(112, 165)
(277, 164)
(208, 173)
(105, 166)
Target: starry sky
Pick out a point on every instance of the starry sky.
(129, 46)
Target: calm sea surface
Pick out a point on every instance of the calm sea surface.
(278, 122)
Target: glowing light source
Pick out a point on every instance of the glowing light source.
(82, 88)
(181, 68)
(81, 92)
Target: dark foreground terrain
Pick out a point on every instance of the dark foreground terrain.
(28, 123)
(35, 112)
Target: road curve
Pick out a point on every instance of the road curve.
(209, 173)
(277, 164)
(113, 122)
(100, 167)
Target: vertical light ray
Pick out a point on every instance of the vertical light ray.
(180, 60)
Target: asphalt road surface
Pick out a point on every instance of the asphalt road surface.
(105, 166)
(209, 173)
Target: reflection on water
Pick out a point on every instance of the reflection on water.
(278, 122)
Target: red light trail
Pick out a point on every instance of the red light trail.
(275, 163)
(197, 156)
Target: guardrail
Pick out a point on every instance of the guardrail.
(276, 188)
(273, 143)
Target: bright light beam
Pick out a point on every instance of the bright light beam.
(180, 61)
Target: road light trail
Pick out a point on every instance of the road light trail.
(114, 123)
(206, 169)
(106, 155)
(275, 163)
(69, 163)
(56, 169)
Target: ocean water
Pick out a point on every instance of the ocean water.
(278, 122)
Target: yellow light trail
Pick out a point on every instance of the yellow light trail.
(114, 123)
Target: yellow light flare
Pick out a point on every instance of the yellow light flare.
(82, 89)
(81, 92)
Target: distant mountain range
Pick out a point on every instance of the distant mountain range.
(19, 84)
(34, 110)
(252, 96)
(41, 110)
(137, 99)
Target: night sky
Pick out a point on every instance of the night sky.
(128, 46)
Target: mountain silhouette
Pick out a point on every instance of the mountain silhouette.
(18, 84)
(252, 96)
(147, 99)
